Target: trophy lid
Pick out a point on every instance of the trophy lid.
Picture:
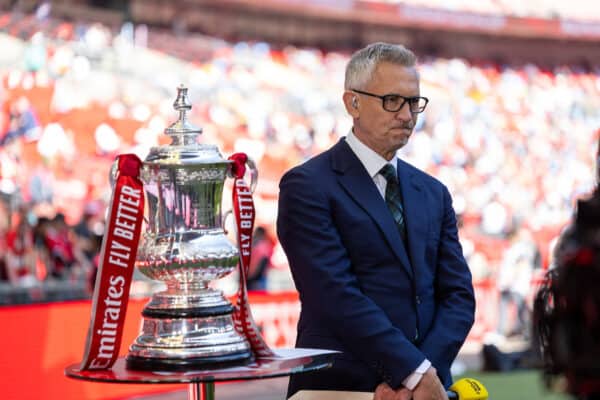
(184, 148)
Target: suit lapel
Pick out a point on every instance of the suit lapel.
(358, 184)
(415, 213)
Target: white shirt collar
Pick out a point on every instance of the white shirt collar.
(372, 161)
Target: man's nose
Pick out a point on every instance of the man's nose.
(404, 113)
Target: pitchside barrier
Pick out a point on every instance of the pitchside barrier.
(41, 339)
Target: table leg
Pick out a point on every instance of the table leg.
(201, 391)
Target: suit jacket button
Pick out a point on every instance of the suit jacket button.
(417, 299)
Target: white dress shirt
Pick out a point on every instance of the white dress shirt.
(373, 163)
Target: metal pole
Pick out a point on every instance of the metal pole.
(201, 391)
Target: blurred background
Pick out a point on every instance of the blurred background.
(511, 129)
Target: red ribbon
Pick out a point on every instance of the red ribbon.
(243, 208)
(117, 260)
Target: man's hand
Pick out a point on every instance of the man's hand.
(430, 387)
(385, 392)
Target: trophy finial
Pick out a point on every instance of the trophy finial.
(182, 103)
(182, 131)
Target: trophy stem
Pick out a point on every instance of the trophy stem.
(190, 286)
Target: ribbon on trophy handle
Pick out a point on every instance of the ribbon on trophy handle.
(243, 208)
(117, 260)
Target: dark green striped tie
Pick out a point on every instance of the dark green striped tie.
(393, 198)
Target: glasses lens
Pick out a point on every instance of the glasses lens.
(392, 102)
(417, 104)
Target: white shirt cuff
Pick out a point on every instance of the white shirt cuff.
(413, 379)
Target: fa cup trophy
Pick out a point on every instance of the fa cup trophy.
(189, 325)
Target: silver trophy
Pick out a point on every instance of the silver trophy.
(189, 325)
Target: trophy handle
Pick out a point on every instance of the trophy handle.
(251, 167)
(224, 219)
(253, 174)
(112, 173)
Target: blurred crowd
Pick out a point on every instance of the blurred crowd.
(515, 144)
(581, 10)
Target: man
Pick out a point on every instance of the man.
(376, 260)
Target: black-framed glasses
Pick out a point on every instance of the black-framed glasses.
(395, 102)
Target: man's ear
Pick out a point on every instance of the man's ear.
(352, 103)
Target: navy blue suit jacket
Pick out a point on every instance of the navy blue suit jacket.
(385, 306)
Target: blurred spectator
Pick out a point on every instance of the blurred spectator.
(88, 239)
(66, 260)
(86, 231)
(514, 283)
(20, 256)
(262, 250)
(22, 122)
(11, 168)
(55, 142)
(41, 185)
(107, 140)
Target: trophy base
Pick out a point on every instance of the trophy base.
(189, 364)
(192, 338)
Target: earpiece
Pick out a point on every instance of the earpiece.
(354, 102)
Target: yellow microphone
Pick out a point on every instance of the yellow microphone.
(467, 389)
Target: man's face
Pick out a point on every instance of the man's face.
(383, 131)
